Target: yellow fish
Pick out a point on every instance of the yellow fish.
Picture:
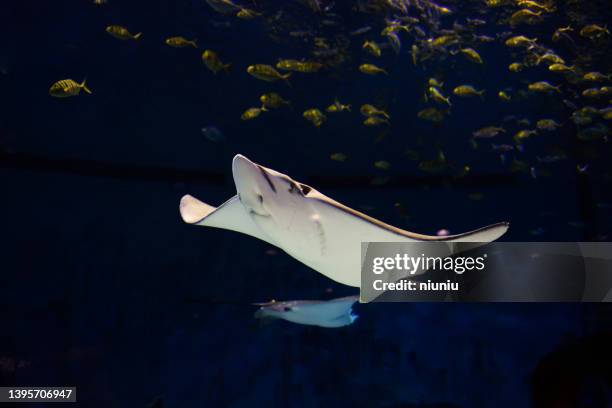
(560, 68)
(591, 93)
(534, 5)
(382, 164)
(247, 14)
(340, 157)
(467, 90)
(525, 16)
(251, 113)
(437, 96)
(596, 77)
(520, 41)
(543, 86)
(213, 63)
(305, 67)
(375, 121)
(371, 110)
(180, 42)
(504, 96)
(372, 48)
(472, 55)
(67, 87)
(315, 116)
(338, 107)
(273, 100)
(550, 57)
(371, 69)
(121, 33)
(547, 124)
(515, 67)
(431, 114)
(560, 32)
(443, 40)
(267, 73)
(594, 31)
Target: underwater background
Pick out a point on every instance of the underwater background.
(104, 287)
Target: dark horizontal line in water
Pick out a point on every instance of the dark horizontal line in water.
(33, 162)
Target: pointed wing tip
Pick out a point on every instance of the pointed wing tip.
(193, 210)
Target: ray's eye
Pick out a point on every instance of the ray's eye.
(305, 189)
(260, 198)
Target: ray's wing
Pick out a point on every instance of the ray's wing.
(387, 233)
(230, 215)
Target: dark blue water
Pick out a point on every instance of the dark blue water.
(104, 287)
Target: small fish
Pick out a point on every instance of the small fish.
(560, 33)
(595, 77)
(273, 100)
(524, 134)
(543, 86)
(504, 96)
(520, 41)
(435, 83)
(560, 68)
(371, 69)
(375, 121)
(431, 114)
(372, 48)
(467, 90)
(591, 93)
(525, 16)
(267, 73)
(515, 67)
(213, 134)
(180, 42)
(100, 2)
(315, 116)
(121, 33)
(305, 67)
(213, 63)
(395, 42)
(382, 164)
(247, 14)
(437, 96)
(549, 57)
(370, 110)
(338, 107)
(339, 157)
(361, 30)
(472, 55)
(251, 113)
(67, 87)
(547, 124)
(488, 132)
(415, 54)
(330, 314)
(594, 31)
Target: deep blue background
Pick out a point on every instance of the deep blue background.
(102, 285)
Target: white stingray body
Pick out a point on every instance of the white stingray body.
(311, 227)
(331, 313)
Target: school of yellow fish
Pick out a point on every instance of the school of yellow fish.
(568, 76)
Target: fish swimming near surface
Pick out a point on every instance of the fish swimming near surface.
(331, 313)
(311, 227)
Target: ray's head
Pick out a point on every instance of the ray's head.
(263, 191)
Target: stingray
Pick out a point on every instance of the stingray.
(311, 227)
(331, 313)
